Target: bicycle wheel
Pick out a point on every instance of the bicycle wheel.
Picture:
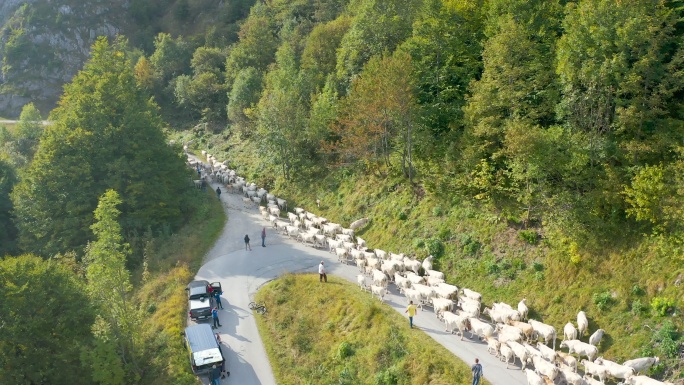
(252, 305)
(261, 310)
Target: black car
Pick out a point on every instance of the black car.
(201, 300)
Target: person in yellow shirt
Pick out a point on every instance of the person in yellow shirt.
(411, 310)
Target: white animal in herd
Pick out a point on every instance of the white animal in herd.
(520, 352)
(643, 380)
(567, 359)
(533, 378)
(472, 294)
(480, 328)
(581, 348)
(361, 280)
(592, 369)
(359, 223)
(595, 338)
(427, 263)
(547, 332)
(544, 367)
(549, 354)
(569, 331)
(582, 323)
(570, 376)
(641, 364)
(616, 370)
(506, 354)
(453, 322)
(523, 309)
(379, 291)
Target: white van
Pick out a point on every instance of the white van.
(204, 349)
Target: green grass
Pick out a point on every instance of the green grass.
(336, 334)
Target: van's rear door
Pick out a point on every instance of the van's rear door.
(217, 287)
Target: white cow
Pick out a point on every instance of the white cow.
(520, 352)
(592, 369)
(581, 348)
(569, 331)
(641, 364)
(506, 353)
(480, 328)
(616, 370)
(547, 332)
(434, 273)
(415, 296)
(582, 323)
(440, 305)
(533, 378)
(361, 280)
(570, 376)
(379, 278)
(472, 294)
(401, 282)
(595, 338)
(453, 322)
(643, 380)
(567, 359)
(427, 263)
(380, 291)
(544, 367)
(548, 353)
(359, 223)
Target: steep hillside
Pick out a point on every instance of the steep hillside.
(44, 43)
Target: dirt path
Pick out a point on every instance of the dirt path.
(241, 273)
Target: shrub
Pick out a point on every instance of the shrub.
(660, 306)
(518, 264)
(344, 350)
(636, 290)
(667, 339)
(539, 276)
(602, 300)
(403, 216)
(537, 266)
(470, 245)
(444, 234)
(491, 267)
(529, 236)
(437, 211)
(418, 243)
(637, 307)
(434, 247)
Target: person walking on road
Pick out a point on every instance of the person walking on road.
(321, 273)
(411, 310)
(477, 372)
(218, 192)
(247, 246)
(217, 297)
(214, 316)
(263, 237)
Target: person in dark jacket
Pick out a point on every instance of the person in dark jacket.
(247, 246)
(218, 192)
(263, 237)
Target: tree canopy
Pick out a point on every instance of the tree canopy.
(106, 133)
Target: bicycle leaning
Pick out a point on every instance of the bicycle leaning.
(258, 307)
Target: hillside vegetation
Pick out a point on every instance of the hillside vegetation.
(533, 147)
(346, 337)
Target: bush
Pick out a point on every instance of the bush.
(603, 300)
(667, 339)
(444, 234)
(539, 276)
(529, 236)
(470, 245)
(434, 247)
(403, 216)
(519, 264)
(344, 350)
(636, 290)
(660, 306)
(437, 211)
(637, 307)
(537, 266)
(491, 267)
(418, 243)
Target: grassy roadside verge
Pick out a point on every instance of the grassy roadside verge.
(172, 263)
(337, 334)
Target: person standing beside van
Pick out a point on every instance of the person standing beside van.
(215, 375)
(214, 316)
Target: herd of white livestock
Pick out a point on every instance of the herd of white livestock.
(510, 335)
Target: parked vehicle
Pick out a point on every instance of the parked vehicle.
(200, 299)
(204, 349)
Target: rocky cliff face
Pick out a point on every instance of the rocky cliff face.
(43, 43)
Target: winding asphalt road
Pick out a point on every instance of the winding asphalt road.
(242, 272)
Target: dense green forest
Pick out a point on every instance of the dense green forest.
(533, 147)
